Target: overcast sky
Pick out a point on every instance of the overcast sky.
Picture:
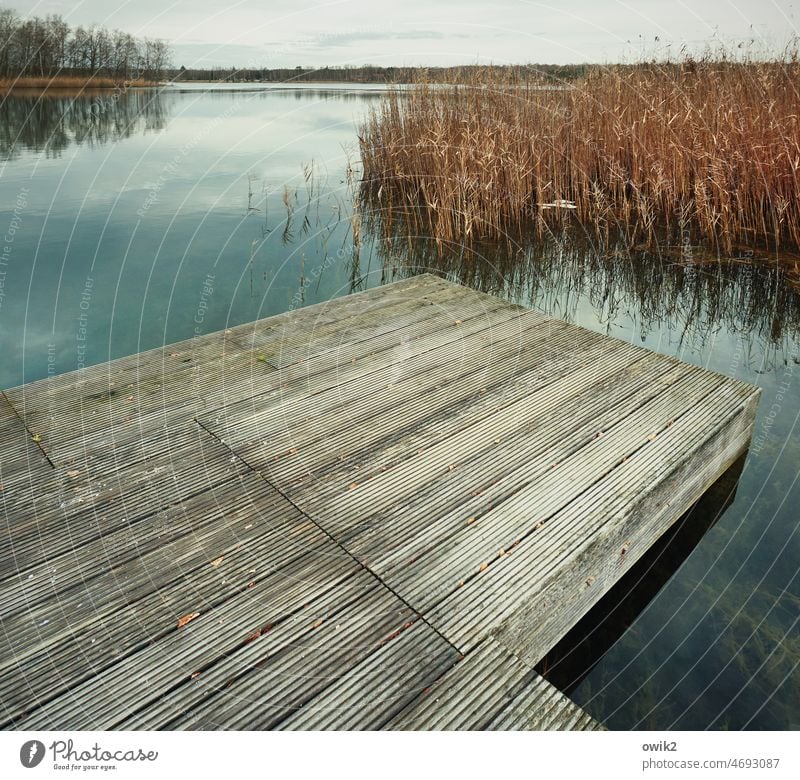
(279, 33)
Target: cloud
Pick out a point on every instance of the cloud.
(433, 32)
(347, 38)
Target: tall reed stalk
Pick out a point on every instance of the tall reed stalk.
(704, 149)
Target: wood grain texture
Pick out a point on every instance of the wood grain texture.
(377, 512)
(491, 688)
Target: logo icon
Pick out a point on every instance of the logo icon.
(31, 753)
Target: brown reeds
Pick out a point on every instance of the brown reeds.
(702, 149)
(68, 83)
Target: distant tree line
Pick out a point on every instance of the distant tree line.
(516, 74)
(35, 46)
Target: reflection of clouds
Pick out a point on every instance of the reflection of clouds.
(82, 221)
(44, 351)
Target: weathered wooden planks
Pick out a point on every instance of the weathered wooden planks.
(77, 414)
(490, 688)
(273, 676)
(22, 460)
(371, 693)
(383, 511)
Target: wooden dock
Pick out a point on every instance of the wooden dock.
(377, 512)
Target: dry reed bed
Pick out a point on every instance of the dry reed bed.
(700, 149)
(70, 83)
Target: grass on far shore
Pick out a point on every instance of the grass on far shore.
(703, 149)
(68, 83)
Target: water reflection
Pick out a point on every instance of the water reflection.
(50, 123)
(352, 95)
(658, 291)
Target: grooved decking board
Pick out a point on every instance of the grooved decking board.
(104, 405)
(42, 527)
(527, 439)
(384, 509)
(491, 688)
(371, 693)
(154, 656)
(270, 679)
(342, 420)
(555, 573)
(22, 461)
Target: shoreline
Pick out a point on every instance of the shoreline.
(70, 84)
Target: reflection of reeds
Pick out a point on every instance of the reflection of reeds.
(289, 199)
(671, 284)
(708, 147)
(668, 292)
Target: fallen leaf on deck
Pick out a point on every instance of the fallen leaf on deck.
(73, 473)
(36, 437)
(218, 561)
(483, 567)
(652, 436)
(187, 618)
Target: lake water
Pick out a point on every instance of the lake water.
(118, 210)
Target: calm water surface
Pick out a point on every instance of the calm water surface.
(119, 212)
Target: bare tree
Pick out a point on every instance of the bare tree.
(35, 46)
